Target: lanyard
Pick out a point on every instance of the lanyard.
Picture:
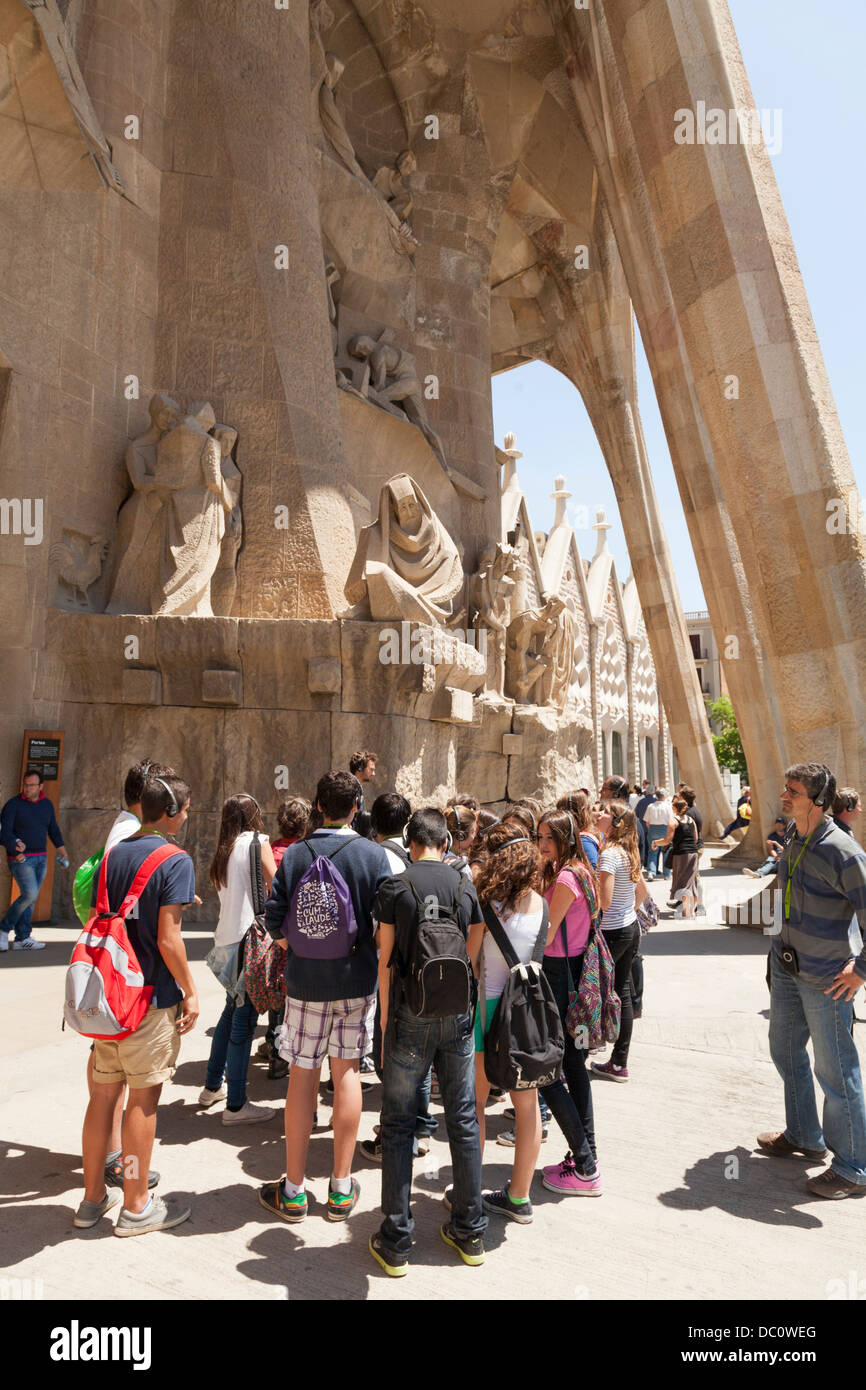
(791, 871)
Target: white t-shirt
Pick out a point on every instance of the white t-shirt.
(124, 825)
(236, 898)
(659, 813)
(621, 912)
(395, 863)
(522, 930)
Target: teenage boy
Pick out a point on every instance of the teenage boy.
(775, 843)
(814, 974)
(390, 814)
(412, 1045)
(27, 823)
(125, 823)
(329, 1003)
(146, 1059)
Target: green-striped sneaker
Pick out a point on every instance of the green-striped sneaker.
(342, 1204)
(273, 1198)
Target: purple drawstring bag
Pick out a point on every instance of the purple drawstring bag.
(320, 923)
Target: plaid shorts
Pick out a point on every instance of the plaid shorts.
(312, 1031)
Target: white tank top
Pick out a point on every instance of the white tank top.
(236, 898)
(522, 930)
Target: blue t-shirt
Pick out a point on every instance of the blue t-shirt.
(590, 849)
(173, 884)
(364, 866)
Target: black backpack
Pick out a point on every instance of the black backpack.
(436, 975)
(525, 1043)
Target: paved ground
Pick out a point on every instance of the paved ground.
(689, 1211)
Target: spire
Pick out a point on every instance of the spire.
(560, 497)
(509, 473)
(602, 526)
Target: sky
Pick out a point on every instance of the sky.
(806, 63)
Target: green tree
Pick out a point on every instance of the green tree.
(729, 749)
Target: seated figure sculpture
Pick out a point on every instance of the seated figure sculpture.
(406, 565)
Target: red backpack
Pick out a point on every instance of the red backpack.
(106, 994)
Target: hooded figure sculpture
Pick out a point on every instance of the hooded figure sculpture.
(406, 564)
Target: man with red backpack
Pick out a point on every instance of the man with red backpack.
(145, 1058)
(320, 910)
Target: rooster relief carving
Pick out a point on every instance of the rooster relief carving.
(77, 561)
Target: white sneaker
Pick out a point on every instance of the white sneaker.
(28, 944)
(248, 1114)
(207, 1097)
(4, 941)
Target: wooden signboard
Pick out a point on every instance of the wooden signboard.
(43, 753)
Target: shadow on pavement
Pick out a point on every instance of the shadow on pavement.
(707, 940)
(751, 1186)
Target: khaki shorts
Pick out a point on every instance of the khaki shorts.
(146, 1057)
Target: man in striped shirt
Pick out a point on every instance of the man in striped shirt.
(816, 969)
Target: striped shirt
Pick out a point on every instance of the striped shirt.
(621, 912)
(827, 885)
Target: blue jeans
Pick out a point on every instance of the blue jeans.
(570, 1100)
(654, 851)
(769, 866)
(29, 876)
(425, 1123)
(412, 1047)
(799, 1012)
(230, 1051)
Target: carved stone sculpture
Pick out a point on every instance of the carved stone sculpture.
(136, 544)
(193, 517)
(491, 595)
(333, 125)
(560, 645)
(392, 185)
(386, 375)
(179, 533)
(406, 565)
(524, 664)
(77, 561)
(225, 581)
(540, 655)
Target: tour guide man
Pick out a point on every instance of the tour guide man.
(26, 823)
(817, 965)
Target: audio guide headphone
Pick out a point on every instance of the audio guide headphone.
(249, 796)
(449, 840)
(518, 840)
(821, 798)
(172, 809)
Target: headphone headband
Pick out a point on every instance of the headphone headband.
(518, 840)
(820, 799)
(172, 809)
(249, 796)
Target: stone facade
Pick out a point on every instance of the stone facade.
(317, 230)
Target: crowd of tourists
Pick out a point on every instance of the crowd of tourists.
(396, 935)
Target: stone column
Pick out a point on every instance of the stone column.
(595, 349)
(592, 64)
(235, 326)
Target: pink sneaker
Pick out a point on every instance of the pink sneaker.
(563, 1177)
(610, 1070)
